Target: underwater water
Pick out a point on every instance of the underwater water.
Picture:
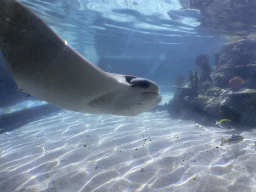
(46, 148)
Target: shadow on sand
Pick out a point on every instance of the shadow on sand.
(14, 120)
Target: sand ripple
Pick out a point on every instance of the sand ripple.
(150, 152)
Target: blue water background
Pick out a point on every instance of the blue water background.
(155, 39)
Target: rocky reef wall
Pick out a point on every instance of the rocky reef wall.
(229, 91)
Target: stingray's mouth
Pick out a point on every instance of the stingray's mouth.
(152, 95)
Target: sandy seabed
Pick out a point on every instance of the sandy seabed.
(76, 152)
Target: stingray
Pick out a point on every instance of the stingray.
(47, 67)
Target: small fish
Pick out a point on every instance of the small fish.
(235, 138)
(222, 120)
(224, 123)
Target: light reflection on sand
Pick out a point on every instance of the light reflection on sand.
(150, 152)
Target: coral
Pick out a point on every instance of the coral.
(236, 83)
(179, 80)
(208, 101)
(203, 62)
(206, 85)
(238, 53)
(193, 82)
(216, 58)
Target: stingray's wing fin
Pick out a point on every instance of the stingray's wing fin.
(25, 38)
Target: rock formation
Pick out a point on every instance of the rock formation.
(229, 92)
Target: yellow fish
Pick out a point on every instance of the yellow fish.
(222, 120)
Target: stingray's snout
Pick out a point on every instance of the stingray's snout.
(144, 83)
